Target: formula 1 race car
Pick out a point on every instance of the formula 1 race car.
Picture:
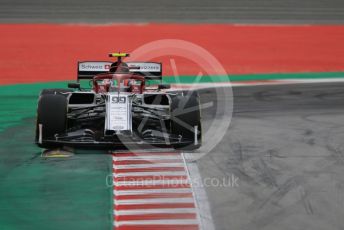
(126, 105)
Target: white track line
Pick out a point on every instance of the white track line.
(152, 191)
(157, 222)
(157, 174)
(152, 165)
(155, 201)
(151, 182)
(153, 211)
(157, 157)
(254, 83)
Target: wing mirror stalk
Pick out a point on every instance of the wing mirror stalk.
(74, 85)
(164, 86)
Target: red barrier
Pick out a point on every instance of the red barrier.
(31, 53)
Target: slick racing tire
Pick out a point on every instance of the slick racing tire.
(52, 116)
(55, 91)
(185, 115)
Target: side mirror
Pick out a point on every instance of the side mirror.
(74, 85)
(164, 86)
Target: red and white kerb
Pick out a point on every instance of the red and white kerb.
(152, 191)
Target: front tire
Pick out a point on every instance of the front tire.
(52, 116)
(185, 116)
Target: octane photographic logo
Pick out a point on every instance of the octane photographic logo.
(216, 99)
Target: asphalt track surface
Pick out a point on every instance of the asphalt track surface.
(193, 11)
(285, 145)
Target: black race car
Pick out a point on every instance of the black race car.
(126, 105)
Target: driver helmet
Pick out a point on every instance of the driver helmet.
(121, 67)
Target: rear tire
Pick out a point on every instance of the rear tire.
(186, 114)
(52, 115)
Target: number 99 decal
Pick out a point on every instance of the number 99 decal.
(120, 100)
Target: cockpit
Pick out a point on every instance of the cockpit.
(104, 83)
